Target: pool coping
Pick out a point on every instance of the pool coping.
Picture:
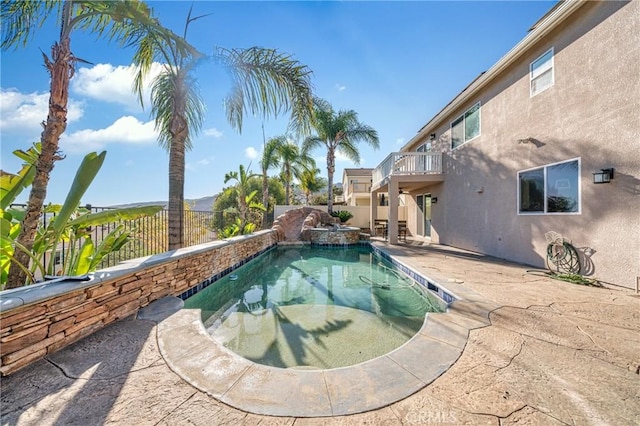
(196, 357)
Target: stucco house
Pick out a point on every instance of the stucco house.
(521, 150)
(356, 186)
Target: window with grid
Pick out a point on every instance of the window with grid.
(541, 73)
(466, 127)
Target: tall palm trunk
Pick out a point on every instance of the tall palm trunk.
(61, 71)
(180, 132)
(265, 197)
(287, 188)
(243, 210)
(331, 168)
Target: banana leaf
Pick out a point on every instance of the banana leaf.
(257, 206)
(87, 171)
(12, 185)
(15, 214)
(113, 242)
(82, 264)
(108, 216)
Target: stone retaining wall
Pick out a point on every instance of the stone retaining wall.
(328, 236)
(39, 319)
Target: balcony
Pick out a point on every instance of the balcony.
(401, 164)
(359, 188)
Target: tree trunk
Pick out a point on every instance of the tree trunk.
(176, 194)
(331, 167)
(61, 71)
(242, 206)
(265, 197)
(287, 187)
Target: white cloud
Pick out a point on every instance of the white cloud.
(251, 153)
(125, 130)
(340, 87)
(202, 163)
(114, 84)
(400, 141)
(213, 132)
(25, 111)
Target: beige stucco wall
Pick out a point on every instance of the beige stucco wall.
(358, 198)
(592, 112)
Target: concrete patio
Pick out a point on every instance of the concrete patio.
(552, 353)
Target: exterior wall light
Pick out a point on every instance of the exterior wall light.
(432, 137)
(603, 176)
(434, 200)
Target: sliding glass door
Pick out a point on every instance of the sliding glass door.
(424, 215)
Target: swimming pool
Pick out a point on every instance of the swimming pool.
(315, 308)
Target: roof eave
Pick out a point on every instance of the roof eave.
(548, 23)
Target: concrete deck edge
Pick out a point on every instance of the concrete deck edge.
(207, 365)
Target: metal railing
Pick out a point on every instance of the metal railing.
(149, 235)
(407, 163)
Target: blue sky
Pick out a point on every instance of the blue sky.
(395, 63)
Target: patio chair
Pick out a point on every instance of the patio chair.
(380, 227)
(402, 230)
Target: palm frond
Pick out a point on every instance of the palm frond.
(365, 134)
(229, 176)
(20, 19)
(177, 105)
(349, 150)
(312, 142)
(132, 24)
(266, 82)
(270, 156)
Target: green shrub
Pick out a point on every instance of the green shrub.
(343, 215)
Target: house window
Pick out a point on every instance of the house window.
(466, 127)
(541, 73)
(425, 147)
(550, 189)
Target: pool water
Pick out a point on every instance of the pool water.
(314, 307)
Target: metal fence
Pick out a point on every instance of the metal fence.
(149, 235)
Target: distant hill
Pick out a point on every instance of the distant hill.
(204, 204)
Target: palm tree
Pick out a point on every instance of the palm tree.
(243, 191)
(294, 161)
(338, 132)
(130, 23)
(269, 160)
(226, 199)
(310, 182)
(264, 81)
(179, 111)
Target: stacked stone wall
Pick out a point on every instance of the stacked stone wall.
(334, 237)
(29, 332)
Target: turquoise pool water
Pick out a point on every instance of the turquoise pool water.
(314, 307)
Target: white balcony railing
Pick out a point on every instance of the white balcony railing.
(407, 163)
(359, 187)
